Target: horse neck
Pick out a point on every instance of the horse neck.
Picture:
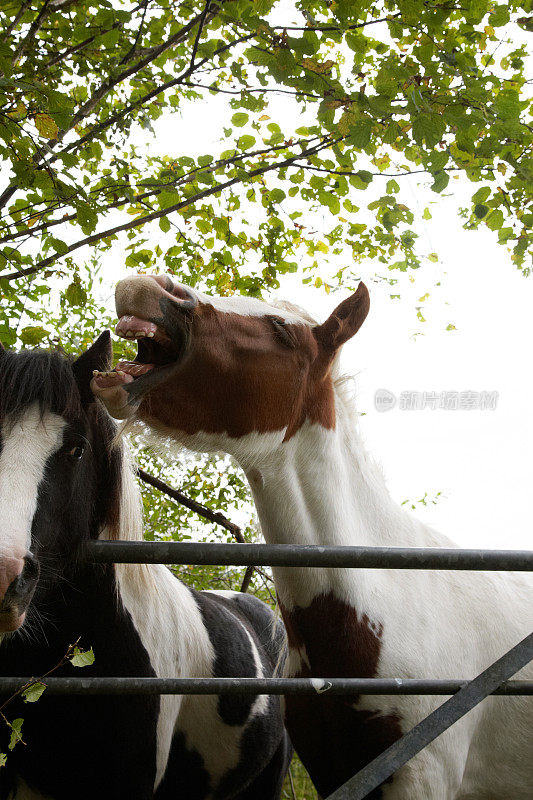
(321, 488)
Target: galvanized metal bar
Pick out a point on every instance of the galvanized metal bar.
(386, 764)
(286, 555)
(277, 686)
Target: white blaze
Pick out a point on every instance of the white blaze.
(27, 444)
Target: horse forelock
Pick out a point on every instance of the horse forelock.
(38, 377)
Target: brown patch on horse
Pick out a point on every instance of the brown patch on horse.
(240, 377)
(333, 739)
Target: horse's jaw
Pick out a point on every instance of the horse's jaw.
(111, 389)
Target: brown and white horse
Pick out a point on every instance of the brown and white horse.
(261, 383)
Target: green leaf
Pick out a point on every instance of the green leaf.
(360, 133)
(16, 732)
(246, 142)
(82, 658)
(428, 129)
(239, 119)
(494, 220)
(164, 224)
(33, 692)
(59, 246)
(392, 187)
(500, 16)
(440, 181)
(33, 335)
(75, 294)
(3, 759)
(277, 195)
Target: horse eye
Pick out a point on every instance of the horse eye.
(281, 331)
(76, 452)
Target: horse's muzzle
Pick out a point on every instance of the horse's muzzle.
(17, 596)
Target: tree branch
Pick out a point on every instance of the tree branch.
(192, 505)
(133, 48)
(11, 27)
(96, 237)
(337, 28)
(98, 128)
(34, 27)
(106, 87)
(157, 188)
(199, 33)
(251, 90)
(202, 511)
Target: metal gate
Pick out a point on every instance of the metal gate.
(465, 693)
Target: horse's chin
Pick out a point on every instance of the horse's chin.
(11, 621)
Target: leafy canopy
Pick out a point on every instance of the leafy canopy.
(383, 89)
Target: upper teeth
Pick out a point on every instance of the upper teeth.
(137, 334)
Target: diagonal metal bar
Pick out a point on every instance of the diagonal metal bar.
(386, 764)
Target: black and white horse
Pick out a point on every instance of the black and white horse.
(63, 481)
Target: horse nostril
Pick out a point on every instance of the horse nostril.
(18, 583)
(187, 299)
(31, 567)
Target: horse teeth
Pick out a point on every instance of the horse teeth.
(140, 334)
(150, 335)
(130, 334)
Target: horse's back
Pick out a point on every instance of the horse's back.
(229, 744)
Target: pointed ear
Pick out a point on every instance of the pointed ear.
(99, 356)
(344, 322)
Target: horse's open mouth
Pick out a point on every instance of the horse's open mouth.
(155, 348)
(159, 350)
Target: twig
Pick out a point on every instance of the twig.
(292, 783)
(202, 511)
(33, 681)
(247, 579)
(193, 505)
(133, 48)
(201, 24)
(336, 28)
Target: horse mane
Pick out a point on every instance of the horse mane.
(37, 377)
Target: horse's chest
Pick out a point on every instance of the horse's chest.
(335, 736)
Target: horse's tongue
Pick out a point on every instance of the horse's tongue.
(133, 368)
(130, 327)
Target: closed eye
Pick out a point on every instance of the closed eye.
(282, 332)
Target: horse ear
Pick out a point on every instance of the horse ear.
(344, 322)
(99, 356)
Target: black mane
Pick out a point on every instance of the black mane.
(38, 376)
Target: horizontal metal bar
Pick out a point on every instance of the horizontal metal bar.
(452, 710)
(287, 555)
(305, 686)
